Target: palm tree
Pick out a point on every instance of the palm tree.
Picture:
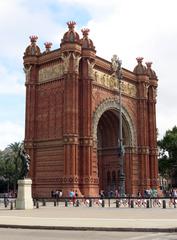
(13, 153)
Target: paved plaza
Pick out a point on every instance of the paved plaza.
(91, 218)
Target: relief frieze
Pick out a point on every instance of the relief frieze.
(50, 72)
(111, 82)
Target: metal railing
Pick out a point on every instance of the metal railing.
(8, 202)
(121, 202)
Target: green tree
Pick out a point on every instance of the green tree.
(168, 155)
(6, 171)
(14, 155)
(10, 164)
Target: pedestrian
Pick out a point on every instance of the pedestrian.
(57, 195)
(60, 193)
(52, 194)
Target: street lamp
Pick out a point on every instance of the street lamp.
(116, 66)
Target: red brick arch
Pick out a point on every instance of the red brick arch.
(68, 91)
(127, 121)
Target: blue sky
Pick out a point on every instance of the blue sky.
(123, 27)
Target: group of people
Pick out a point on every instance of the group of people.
(59, 193)
(110, 194)
(147, 193)
(151, 192)
(165, 193)
(56, 194)
(73, 194)
(170, 193)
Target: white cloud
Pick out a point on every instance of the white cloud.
(125, 27)
(10, 132)
(148, 29)
(96, 9)
(19, 19)
(10, 82)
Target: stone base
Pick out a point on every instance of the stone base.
(24, 198)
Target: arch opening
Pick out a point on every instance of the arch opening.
(107, 150)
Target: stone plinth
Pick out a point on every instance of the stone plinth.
(24, 198)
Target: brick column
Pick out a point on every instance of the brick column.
(89, 178)
(30, 126)
(143, 143)
(153, 137)
(70, 128)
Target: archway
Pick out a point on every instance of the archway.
(105, 133)
(107, 150)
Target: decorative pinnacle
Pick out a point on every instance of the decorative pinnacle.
(33, 38)
(71, 25)
(148, 64)
(48, 45)
(85, 32)
(139, 59)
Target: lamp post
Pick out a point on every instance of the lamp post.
(117, 68)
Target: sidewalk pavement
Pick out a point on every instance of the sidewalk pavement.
(93, 218)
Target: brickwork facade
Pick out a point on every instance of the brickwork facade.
(72, 119)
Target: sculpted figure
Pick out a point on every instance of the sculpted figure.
(90, 68)
(114, 62)
(116, 67)
(76, 62)
(65, 62)
(25, 163)
(27, 72)
(96, 76)
(146, 86)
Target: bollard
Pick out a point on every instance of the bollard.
(163, 204)
(55, 203)
(147, 205)
(117, 204)
(11, 205)
(90, 202)
(34, 202)
(5, 203)
(150, 203)
(37, 204)
(132, 204)
(103, 203)
(66, 203)
(43, 202)
(109, 202)
(174, 203)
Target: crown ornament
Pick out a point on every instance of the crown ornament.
(33, 38)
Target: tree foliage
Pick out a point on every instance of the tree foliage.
(10, 165)
(168, 154)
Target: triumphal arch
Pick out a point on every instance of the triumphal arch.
(72, 119)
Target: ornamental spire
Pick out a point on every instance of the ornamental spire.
(33, 38)
(139, 59)
(85, 32)
(48, 46)
(140, 68)
(148, 64)
(71, 25)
